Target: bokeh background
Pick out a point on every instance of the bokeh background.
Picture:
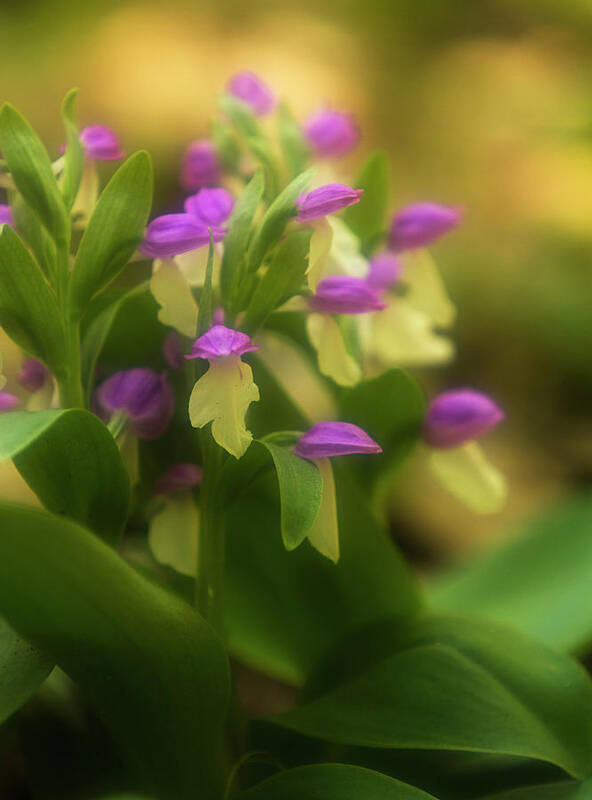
(486, 104)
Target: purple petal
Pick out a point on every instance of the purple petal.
(326, 439)
(331, 133)
(210, 206)
(101, 143)
(8, 401)
(421, 224)
(221, 341)
(458, 416)
(385, 270)
(6, 215)
(326, 200)
(248, 87)
(180, 477)
(173, 234)
(33, 374)
(145, 396)
(200, 165)
(345, 294)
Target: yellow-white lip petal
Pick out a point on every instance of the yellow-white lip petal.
(324, 533)
(334, 360)
(193, 265)
(173, 533)
(171, 291)
(88, 194)
(467, 474)
(425, 289)
(345, 257)
(320, 247)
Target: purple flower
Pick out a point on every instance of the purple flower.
(249, 88)
(458, 416)
(171, 350)
(326, 439)
(8, 401)
(101, 143)
(33, 374)
(331, 133)
(210, 206)
(384, 272)
(143, 395)
(200, 165)
(6, 215)
(179, 478)
(173, 234)
(421, 224)
(345, 294)
(326, 200)
(221, 341)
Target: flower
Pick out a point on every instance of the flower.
(221, 341)
(326, 200)
(459, 416)
(345, 294)
(101, 143)
(6, 215)
(210, 206)
(384, 271)
(179, 478)
(248, 87)
(143, 395)
(328, 439)
(172, 234)
(420, 224)
(331, 133)
(33, 374)
(200, 165)
(8, 401)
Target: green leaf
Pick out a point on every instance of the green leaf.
(566, 790)
(35, 235)
(292, 143)
(367, 219)
(275, 220)
(28, 308)
(454, 684)
(22, 670)
(333, 782)
(74, 157)
(152, 667)
(31, 171)
(206, 299)
(538, 580)
(71, 462)
(241, 115)
(237, 238)
(283, 279)
(114, 231)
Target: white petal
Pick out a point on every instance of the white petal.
(345, 257)
(324, 533)
(173, 533)
(426, 290)
(468, 475)
(334, 360)
(173, 294)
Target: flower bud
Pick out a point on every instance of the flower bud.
(171, 350)
(100, 143)
(331, 134)
(143, 395)
(345, 294)
(33, 374)
(8, 401)
(6, 215)
(180, 477)
(200, 165)
(173, 234)
(421, 224)
(210, 206)
(326, 439)
(221, 341)
(326, 200)
(248, 87)
(385, 271)
(458, 416)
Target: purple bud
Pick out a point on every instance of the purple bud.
(421, 224)
(249, 88)
(218, 316)
(101, 143)
(8, 401)
(179, 478)
(173, 234)
(458, 416)
(221, 341)
(331, 133)
(385, 270)
(6, 215)
(171, 349)
(326, 439)
(33, 374)
(143, 395)
(345, 294)
(200, 165)
(326, 200)
(211, 206)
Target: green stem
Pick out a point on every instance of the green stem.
(70, 382)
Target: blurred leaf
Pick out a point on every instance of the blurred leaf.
(538, 580)
(28, 308)
(71, 462)
(74, 156)
(153, 668)
(237, 238)
(566, 790)
(453, 684)
(22, 670)
(367, 219)
(114, 231)
(292, 143)
(227, 147)
(35, 235)
(241, 116)
(332, 782)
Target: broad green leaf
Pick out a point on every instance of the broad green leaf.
(28, 308)
(71, 462)
(283, 279)
(284, 610)
(460, 685)
(333, 782)
(566, 790)
(114, 231)
(292, 143)
(31, 171)
(275, 220)
(539, 580)
(35, 235)
(153, 668)
(22, 670)
(74, 157)
(367, 219)
(237, 238)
